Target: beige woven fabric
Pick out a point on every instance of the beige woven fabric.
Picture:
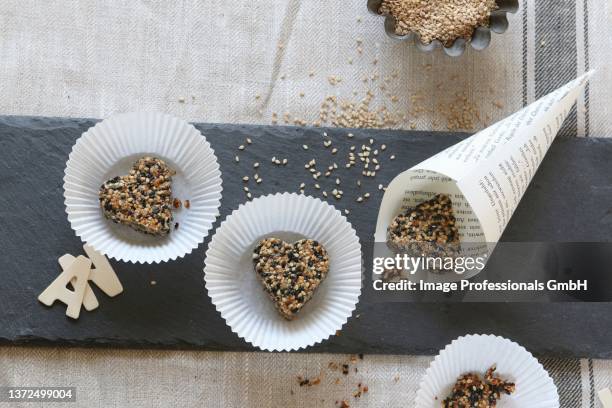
(94, 58)
(242, 61)
(137, 378)
(148, 378)
(87, 58)
(596, 375)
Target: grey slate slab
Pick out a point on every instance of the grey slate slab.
(570, 199)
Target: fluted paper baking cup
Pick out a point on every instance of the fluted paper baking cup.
(476, 354)
(237, 293)
(110, 149)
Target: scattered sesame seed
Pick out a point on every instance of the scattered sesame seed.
(305, 147)
(248, 140)
(334, 80)
(256, 165)
(337, 181)
(366, 195)
(392, 157)
(246, 189)
(245, 178)
(241, 147)
(359, 199)
(237, 159)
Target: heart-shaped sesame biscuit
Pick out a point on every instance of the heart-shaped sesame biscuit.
(290, 273)
(142, 199)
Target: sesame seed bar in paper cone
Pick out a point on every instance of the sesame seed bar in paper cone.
(485, 177)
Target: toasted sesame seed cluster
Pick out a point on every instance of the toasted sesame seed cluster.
(141, 199)
(290, 273)
(443, 20)
(472, 391)
(427, 229)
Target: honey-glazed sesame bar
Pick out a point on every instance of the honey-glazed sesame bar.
(428, 229)
(141, 199)
(290, 273)
(472, 391)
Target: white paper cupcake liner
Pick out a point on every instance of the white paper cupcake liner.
(109, 149)
(238, 294)
(476, 354)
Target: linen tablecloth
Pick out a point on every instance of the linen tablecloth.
(285, 62)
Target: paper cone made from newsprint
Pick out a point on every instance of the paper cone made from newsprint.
(485, 176)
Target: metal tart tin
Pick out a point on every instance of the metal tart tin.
(498, 23)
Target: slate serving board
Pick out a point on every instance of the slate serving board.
(570, 199)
